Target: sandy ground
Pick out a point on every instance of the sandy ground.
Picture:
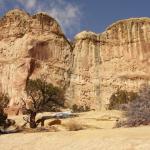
(99, 135)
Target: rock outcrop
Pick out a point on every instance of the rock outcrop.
(90, 70)
(116, 58)
(31, 46)
(85, 78)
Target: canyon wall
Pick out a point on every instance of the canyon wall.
(125, 51)
(84, 88)
(115, 59)
(89, 70)
(31, 47)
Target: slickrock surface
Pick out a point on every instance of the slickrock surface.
(90, 70)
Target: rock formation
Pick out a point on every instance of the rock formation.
(116, 58)
(89, 71)
(85, 75)
(31, 46)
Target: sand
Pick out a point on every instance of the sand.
(99, 135)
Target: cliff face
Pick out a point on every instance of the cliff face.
(99, 64)
(85, 78)
(31, 46)
(125, 50)
(116, 58)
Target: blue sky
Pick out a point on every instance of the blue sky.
(77, 15)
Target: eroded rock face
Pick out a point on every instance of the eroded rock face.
(125, 52)
(99, 64)
(116, 58)
(31, 46)
(85, 80)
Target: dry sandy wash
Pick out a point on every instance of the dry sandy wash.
(98, 135)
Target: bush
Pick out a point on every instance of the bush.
(76, 108)
(138, 111)
(119, 99)
(73, 125)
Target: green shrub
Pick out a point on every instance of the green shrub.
(120, 98)
(43, 97)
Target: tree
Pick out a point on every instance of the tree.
(41, 95)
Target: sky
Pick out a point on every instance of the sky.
(75, 16)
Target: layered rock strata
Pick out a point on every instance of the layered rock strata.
(116, 58)
(89, 70)
(31, 46)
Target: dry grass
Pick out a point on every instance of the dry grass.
(97, 134)
(74, 125)
(138, 111)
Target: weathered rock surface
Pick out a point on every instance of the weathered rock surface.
(116, 58)
(85, 78)
(99, 64)
(31, 46)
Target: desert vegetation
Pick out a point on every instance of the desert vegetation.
(74, 125)
(136, 106)
(76, 108)
(138, 111)
(120, 99)
(43, 97)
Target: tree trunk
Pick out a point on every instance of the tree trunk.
(32, 120)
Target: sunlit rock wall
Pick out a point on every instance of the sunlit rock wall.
(89, 70)
(31, 46)
(116, 58)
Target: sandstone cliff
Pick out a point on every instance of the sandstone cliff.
(85, 78)
(116, 58)
(31, 46)
(90, 71)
